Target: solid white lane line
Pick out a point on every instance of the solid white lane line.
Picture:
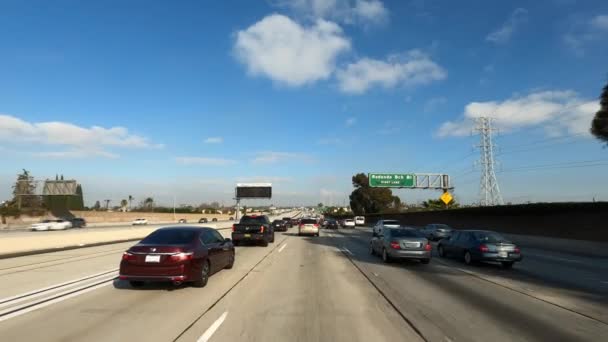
(51, 302)
(31, 294)
(207, 335)
(53, 295)
(282, 248)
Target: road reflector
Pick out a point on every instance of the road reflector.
(446, 197)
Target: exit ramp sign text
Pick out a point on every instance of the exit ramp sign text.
(389, 180)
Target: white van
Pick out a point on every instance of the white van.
(359, 220)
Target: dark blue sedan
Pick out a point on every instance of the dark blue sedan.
(480, 245)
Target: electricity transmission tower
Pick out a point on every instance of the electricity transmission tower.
(489, 192)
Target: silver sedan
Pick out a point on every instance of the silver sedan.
(401, 243)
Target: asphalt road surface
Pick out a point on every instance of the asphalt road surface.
(325, 288)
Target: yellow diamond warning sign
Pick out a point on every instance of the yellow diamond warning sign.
(446, 197)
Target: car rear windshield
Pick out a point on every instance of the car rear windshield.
(253, 220)
(277, 221)
(309, 221)
(405, 233)
(489, 237)
(348, 220)
(391, 223)
(170, 237)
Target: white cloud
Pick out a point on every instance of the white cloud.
(600, 22)
(82, 140)
(586, 33)
(214, 140)
(350, 121)
(558, 112)
(414, 68)
(265, 179)
(344, 11)
(287, 52)
(372, 11)
(433, 104)
(75, 154)
(269, 157)
(205, 161)
(503, 34)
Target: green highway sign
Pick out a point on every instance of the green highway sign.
(391, 180)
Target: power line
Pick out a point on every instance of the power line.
(549, 139)
(564, 165)
(545, 143)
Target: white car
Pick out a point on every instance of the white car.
(349, 223)
(139, 222)
(359, 220)
(51, 225)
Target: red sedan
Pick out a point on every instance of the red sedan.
(178, 255)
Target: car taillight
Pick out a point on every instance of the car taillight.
(395, 245)
(128, 256)
(484, 248)
(233, 227)
(316, 225)
(301, 225)
(261, 229)
(516, 250)
(181, 256)
(428, 247)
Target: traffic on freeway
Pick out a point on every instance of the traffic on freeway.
(303, 171)
(328, 286)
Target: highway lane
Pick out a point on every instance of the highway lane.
(297, 289)
(446, 303)
(292, 290)
(572, 281)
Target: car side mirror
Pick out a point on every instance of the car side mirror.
(226, 240)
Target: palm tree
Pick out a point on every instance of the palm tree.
(149, 203)
(123, 204)
(131, 198)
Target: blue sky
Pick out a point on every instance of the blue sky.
(159, 98)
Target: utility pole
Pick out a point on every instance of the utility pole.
(489, 191)
(107, 204)
(173, 207)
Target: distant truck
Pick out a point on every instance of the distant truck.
(253, 228)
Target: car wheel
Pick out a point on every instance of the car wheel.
(264, 243)
(236, 243)
(385, 257)
(468, 259)
(441, 251)
(230, 261)
(204, 275)
(136, 283)
(507, 264)
(425, 261)
(272, 239)
(371, 250)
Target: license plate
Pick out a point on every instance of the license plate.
(502, 254)
(513, 255)
(247, 235)
(412, 244)
(152, 258)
